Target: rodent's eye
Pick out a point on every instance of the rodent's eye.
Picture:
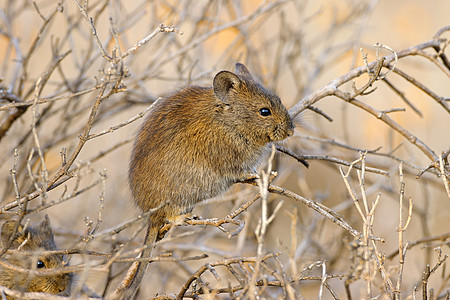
(40, 264)
(265, 112)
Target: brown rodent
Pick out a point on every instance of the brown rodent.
(197, 142)
(31, 241)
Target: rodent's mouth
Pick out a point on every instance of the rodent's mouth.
(279, 135)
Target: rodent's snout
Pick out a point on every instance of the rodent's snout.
(282, 131)
(290, 128)
(290, 131)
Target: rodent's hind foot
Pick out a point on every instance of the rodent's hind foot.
(188, 216)
(177, 221)
(180, 219)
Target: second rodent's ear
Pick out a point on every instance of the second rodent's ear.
(223, 83)
(8, 229)
(45, 225)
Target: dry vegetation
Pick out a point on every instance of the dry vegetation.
(367, 219)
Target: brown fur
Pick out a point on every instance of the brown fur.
(198, 141)
(32, 240)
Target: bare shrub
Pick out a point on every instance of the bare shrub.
(78, 76)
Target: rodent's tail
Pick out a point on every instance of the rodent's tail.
(130, 284)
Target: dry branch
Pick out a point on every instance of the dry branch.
(81, 76)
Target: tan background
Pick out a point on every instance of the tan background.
(397, 24)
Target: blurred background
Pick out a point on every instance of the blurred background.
(49, 57)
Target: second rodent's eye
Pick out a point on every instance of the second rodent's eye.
(40, 264)
(265, 112)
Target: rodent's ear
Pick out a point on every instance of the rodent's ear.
(45, 224)
(223, 83)
(242, 70)
(8, 229)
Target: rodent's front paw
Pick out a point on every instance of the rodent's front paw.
(248, 178)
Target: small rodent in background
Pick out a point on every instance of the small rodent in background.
(198, 141)
(31, 241)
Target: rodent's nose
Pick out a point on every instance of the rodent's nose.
(290, 131)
